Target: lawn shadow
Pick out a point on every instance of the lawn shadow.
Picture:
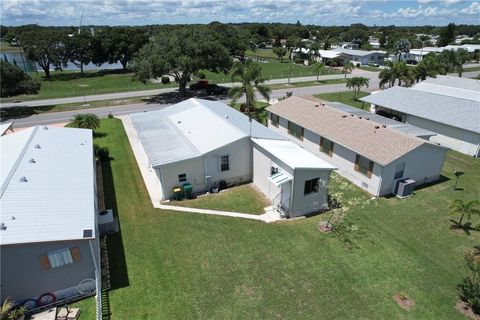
(116, 251)
(97, 134)
(170, 97)
(441, 180)
(19, 112)
(466, 227)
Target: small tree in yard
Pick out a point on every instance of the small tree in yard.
(280, 52)
(470, 285)
(318, 67)
(465, 209)
(347, 68)
(85, 121)
(356, 83)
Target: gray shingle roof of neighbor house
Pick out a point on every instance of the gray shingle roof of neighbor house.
(47, 185)
(192, 128)
(452, 111)
(365, 137)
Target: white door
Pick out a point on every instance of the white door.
(285, 197)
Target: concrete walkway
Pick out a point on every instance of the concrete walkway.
(155, 192)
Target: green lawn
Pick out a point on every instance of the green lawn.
(306, 84)
(368, 68)
(172, 265)
(345, 97)
(263, 54)
(471, 69)
(245, 199)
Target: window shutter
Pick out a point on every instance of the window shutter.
(44, 262)
(357, 161)
(330, 152)
(370, 169)
(75, 252)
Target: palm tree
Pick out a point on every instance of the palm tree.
(464, 209)
(356, 83)
(347, 68)
(318, 67)
(461, 56)
(249, 74)
(404, 74)
(402, 46)
(387, 75)
(85, 121)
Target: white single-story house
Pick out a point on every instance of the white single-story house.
(370, 154)
(448, 106)
(374, 42)
(204, 142)
(363, 57)
(49, 243)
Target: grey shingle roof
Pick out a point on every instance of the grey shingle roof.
(453, 111)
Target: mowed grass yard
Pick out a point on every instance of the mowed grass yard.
(245, 199)
(345, 97)
(172, 265)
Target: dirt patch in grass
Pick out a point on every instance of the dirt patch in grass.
(463, 308)
(404, 302)
(324, 227)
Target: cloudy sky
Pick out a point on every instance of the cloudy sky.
(319, 12)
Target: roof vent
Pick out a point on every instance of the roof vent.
(178, 122)
(367, 118)
(317, 105)
(344, 116)
(32, 160)
(384, 125)
(377, 127)
(227, 117)
(23, 179)
(359, 117)
(352, 115)
(37, 146)
(45, 128)
(3, 226)
(13, 218)
(87, 233)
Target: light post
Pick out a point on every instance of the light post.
(256, 50)
(85, 104)
(457, 175)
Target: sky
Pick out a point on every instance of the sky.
(318, 12)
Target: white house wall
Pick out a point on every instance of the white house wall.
(197, 169)
(261, 171)
(342, 157)
(302, 204)
(452, 137)
(423, 164)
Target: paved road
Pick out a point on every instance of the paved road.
(144, 93)
(60, 117)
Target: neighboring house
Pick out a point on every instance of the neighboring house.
(346, 45)
(371, 155)
(49, 244)
(448, 106)
(363, 57)
(374, 42)
(204, 142)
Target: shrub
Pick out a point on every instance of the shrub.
(110, 115)
(201, 75)
(470, 285)
(103, 154)
(165, 80)
(15, 81)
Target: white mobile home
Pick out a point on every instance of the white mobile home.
(363, 57)
(448, 106)
(370, 154)
(203, 142)
(48, 216)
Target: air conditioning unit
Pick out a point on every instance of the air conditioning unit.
(107, 223)
(404, 187)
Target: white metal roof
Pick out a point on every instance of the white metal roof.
(457, 87)
(57, 200)
(4, 127)
(293, 155)
(329, 54)
(280, 178)
(359, 53)
(191, 128)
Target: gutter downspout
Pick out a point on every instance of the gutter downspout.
(380, 183)
(98, 277)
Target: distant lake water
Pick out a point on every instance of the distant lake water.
(22, 63)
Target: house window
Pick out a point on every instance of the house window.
(295, 130)
(363, 165)
(275, 119)
(182, 177)
(60, 258)
(224, 163)
(399, 169)
(326, 146)
(311, 186)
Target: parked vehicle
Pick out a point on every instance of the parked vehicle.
(216, 89)
(201, 84)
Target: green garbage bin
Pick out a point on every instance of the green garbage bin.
(177, 193)
(188, 190)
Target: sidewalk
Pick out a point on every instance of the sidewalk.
(155, 192)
